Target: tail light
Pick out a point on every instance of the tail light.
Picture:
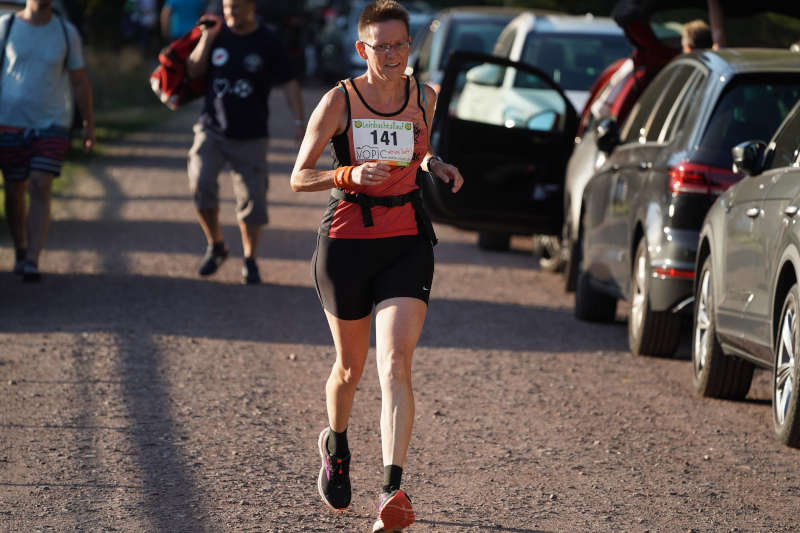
(700, 179)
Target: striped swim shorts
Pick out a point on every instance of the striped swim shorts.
(23, 150)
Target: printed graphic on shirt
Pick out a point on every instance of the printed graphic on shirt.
(389, 141)
(252, 63)
(219, 57)
(243, 88)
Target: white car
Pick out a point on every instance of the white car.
(571, 49)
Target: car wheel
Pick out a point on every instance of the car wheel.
(549, 251)
(714, 374)
(591, 304)
(495, 241)
(785, 378)
(649, 332)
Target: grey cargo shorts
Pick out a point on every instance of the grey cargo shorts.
(248, 164)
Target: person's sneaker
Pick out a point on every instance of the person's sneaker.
(250, 275)
(19, 264)
(334, 476)
(214, 257)
(394, 512)
(30, 271)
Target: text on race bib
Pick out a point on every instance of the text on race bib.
(388, 141)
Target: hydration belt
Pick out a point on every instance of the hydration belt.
(424, 225)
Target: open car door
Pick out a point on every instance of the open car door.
(510, 130)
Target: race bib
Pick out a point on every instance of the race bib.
(387, 141)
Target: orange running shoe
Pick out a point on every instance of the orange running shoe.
(394, 512)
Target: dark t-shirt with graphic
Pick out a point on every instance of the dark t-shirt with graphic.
(242, 69)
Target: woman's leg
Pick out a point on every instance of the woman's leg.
(398, 324)
(351, 338)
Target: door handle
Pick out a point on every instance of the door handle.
(645, 165)
(791, 210)
(753, 212)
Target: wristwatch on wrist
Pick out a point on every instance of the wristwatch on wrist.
(434, 158)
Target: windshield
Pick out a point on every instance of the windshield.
(472, 36)
(573, 61)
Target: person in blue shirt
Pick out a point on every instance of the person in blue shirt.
(180, 16)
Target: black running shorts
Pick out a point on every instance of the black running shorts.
(353, 275)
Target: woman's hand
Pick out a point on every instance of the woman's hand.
(447, 173)
(371, 173)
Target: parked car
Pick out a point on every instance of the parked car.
(513, 174)
(612, 95)
(470, 29)
(338, 57)
(747, 301)
(641, 212)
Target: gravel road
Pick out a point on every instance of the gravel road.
(135, 396)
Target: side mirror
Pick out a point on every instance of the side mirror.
(487, 74)
(748, 157)
(607, 135)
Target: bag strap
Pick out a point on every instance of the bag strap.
(6, 33)
(66, 37)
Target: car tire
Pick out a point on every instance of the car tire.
(714, 375)
(785, 374)
(548, 249)
(649, 332)
(494, 241)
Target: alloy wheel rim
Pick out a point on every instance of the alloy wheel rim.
(784, 369)
(702, 324)
(639, 280)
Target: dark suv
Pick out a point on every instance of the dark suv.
(642, 210)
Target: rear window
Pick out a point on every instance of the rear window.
(751, 107)
(574, 61)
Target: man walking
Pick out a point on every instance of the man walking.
(242, 61)
(43, 70)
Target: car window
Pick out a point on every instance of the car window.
(785, 148)
(471, 36)
(482, 99)
(669, 101)
(750, 107)
(633, 129)
(679, 112)
(505, 42)
(572, 60)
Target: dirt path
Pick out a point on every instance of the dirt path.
(136, 397)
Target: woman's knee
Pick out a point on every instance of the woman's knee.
(395, 369)
(348, 373)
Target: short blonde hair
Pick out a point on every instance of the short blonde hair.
(382, 11)
(696, 34)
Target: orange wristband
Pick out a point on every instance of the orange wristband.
(341, 177)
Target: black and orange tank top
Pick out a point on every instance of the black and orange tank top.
(399, 139)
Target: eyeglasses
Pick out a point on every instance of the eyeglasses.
(383, 49)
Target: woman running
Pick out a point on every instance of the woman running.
(374, 249)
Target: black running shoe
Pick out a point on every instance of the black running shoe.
(250, 275)
(30, 271)
(214, 257)
(334, 476)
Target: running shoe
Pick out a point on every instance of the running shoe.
(394, 512)
(214, 257)
(334, 476)
(30, 272)
(250, 275)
